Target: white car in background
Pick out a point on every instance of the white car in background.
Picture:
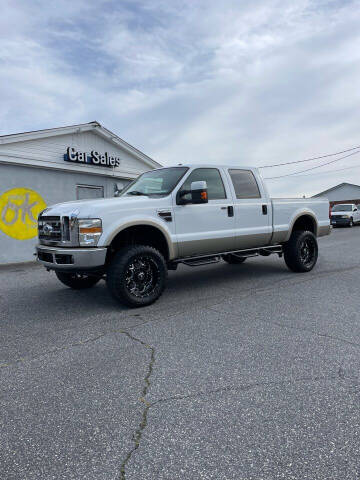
(345, 214)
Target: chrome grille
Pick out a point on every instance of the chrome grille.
(50, 228)
(65, 229)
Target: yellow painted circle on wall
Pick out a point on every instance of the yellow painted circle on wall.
(19, 209)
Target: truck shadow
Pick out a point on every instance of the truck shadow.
(51, 302)
(222, 274)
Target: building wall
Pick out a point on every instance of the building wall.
(49, 152)
(53, 186)
(34, 174)
(343, 194)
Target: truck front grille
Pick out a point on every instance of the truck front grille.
(54, 229)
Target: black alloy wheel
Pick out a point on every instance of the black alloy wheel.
(308, 251)
(142, 276)
(301, 251)
(137, 275)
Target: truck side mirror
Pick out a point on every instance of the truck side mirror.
(199, 193)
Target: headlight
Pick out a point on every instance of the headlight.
(90, 230)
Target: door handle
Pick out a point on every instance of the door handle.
(264, 209)
(230, 210)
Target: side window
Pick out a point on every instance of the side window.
(216, 190)
(245, 184)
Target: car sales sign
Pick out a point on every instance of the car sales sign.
(92, 158)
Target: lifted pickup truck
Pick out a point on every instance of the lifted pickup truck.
(190, 214)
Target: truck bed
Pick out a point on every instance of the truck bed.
(286, 210)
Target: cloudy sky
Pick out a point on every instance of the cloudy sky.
(252, 82)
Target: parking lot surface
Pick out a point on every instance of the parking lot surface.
(237, 372)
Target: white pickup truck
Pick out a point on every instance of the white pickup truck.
(345, 214)
(190, 214)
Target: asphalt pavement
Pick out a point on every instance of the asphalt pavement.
(243, 372)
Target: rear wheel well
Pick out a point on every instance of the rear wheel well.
(140, 235)
(305, 223)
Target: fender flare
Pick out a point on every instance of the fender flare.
(304, 213)
(131, 223)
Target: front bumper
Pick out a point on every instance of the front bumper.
(56, 258)
(340, 221)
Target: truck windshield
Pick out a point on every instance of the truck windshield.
(156, 182)
(342, 208)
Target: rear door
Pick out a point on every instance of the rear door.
(208, 227)
(252, 210)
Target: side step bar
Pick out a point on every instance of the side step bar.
(196, 262)
(216, 257)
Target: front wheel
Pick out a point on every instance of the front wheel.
(301, 251)
(78, 281)
(137, 275)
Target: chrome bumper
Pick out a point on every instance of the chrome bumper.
(56, 258)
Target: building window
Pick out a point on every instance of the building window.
(84, 192)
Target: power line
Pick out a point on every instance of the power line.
(313, 168)
(310, 159)
(330, 171)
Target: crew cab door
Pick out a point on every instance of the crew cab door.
(208, 227)
(252, 210)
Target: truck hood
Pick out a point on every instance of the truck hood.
(95, 208)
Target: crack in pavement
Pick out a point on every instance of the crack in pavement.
(67, 346)
(55, 350)
(144, 421)
(244, 388)
(246, 294)
(139, 431)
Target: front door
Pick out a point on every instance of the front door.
(208, 227)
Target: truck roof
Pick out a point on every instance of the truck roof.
(211, 165)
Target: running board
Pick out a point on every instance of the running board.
(215, 258)
(196, 262)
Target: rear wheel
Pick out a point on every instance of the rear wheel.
(137, 275)
(78, 281)
(233, 259)
(301, 251)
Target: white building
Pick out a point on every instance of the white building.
(342, 193)
(44, 167)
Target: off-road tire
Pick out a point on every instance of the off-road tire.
(77, 281)
(122, 266)
(301, 251)
(233, 259)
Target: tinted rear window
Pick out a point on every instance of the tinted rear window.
(245, 184)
